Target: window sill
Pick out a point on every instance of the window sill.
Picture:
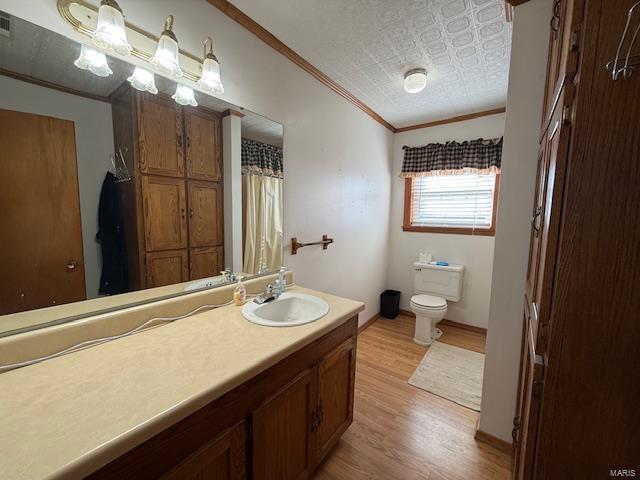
(488, 232)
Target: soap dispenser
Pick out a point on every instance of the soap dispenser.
(239, 293)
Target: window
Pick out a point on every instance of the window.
(464, 204)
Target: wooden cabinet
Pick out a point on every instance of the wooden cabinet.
(160, 133)
(175, 200)
(284, 431)
(204, 155)
(578, 389)
(277, 425)
(205, 262)
(166, 268)
(336, 376)
(164, 212)
(222, 458)
(205, 228)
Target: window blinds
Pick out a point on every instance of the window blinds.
(458, 201)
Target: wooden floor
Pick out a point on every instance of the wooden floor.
(400, 431)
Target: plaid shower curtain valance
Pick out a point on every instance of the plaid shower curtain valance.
(261, 158)
(452, 158)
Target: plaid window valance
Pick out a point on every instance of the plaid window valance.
(452, 158)
(261, 158)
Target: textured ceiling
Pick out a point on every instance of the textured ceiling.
(366, 46)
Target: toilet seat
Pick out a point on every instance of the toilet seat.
(429, 302)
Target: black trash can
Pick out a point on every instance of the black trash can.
(390, 303)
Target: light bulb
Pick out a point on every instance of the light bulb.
(143, 80)
(167, 57)
(415, 80)
(110, 33)
(94, 61)
(210, 79)
(184, 96)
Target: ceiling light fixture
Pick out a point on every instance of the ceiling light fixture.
(184, 96)
(143, 80)
(94, 61)
(210, 79)
(110, 33)
(167, 57)
(415, 80)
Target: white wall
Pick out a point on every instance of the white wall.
(474, 252)
(336, 158)
(94, 146)
(520, 153)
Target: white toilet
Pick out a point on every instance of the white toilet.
(433, 286)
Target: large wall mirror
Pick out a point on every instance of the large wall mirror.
(112, 196)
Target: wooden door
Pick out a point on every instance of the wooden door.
(40, 230)
(205, 262)
(165, 213)
(283, 437)
(336, 375)
(206, 214)
(167, 268)
(160, 135)
(222, 458)
(203, 145)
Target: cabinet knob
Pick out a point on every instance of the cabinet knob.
(71, 265)
(179, 141)
(191, 213)
(183, 213)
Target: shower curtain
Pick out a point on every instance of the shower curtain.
(262, 205)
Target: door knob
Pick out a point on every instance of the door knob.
(71, 265)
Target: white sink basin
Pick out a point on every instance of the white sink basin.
(287, 311)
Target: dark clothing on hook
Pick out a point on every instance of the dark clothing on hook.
(111, 235)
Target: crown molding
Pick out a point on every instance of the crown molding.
(460, 118)
(270, 39)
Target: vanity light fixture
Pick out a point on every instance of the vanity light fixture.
(210, 79)
(143, 80)
(94, 61)
(167, 57)
(415, 80)
(110, 33)
(184, 96)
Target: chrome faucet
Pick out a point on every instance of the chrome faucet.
(268, 295)
(228, 276)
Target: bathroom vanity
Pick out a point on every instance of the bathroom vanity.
(212, 396)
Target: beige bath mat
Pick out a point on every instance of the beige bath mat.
(452, 373)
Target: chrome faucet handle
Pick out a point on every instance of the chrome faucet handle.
(269, 288)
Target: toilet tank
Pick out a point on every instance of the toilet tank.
(445, 282)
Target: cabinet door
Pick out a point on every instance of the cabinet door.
(206, 215)
(204, 146)
(283, 437)
(549, 222)
(529, 401)
(160, 136)
(336, 375)
(222, 458)
(167, 268)
(165, 213)
(205, 262)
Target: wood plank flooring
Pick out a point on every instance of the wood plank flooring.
(401, 432)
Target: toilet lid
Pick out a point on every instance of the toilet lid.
(428, 301)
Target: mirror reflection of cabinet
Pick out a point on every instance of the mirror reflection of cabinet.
(174, 217)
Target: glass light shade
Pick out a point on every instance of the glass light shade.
(210, 79)
(185, 96)
(143, 80)
(167, 57)
(110, 33)
(94, 61)
(415, 80)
